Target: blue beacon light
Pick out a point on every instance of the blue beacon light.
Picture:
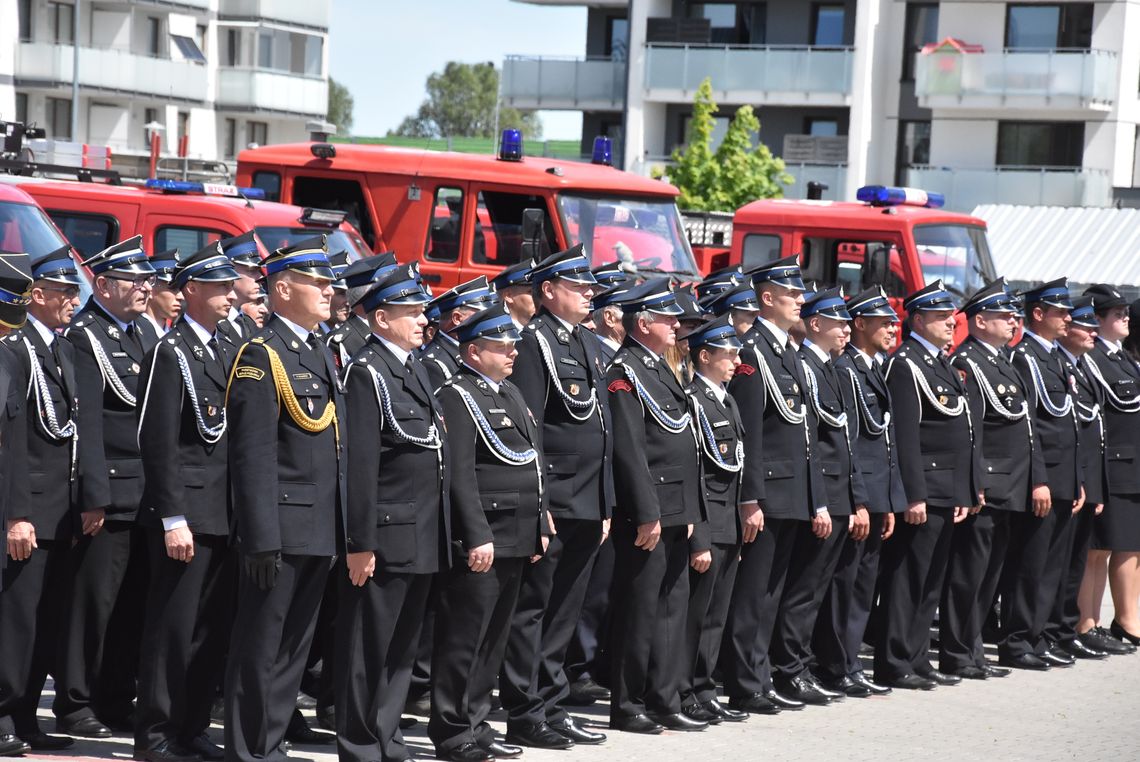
(510, 145)
(884, 195)
(603, 151)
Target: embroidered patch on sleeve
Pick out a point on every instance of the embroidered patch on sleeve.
(620, 385)
(745, 370)
(246, 371)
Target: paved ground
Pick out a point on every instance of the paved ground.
(1089, 711)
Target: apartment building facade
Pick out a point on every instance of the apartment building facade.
(216, 75)
(1029, 102)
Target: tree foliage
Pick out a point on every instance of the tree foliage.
(733, 175)
(461, 104)
(340, 106)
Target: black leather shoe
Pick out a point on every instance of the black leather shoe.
(1079, 650)
(408, 722)
(586, 692)
(995, 671)
(722, 712)
(847, 687)
(539, 736)
(299, 731)
(700, 714)
(1097, 641)
(781, 701)
(1109, 636)
(11, 746)
(502, 750)
(218, 711)
(678, 721)
(1056, 658)
(305, 701)
(802, 689)
(418, 707)
(326, 718)
(754, 703)
(167, 751)
(638, 723)
(827, 692)
(860, 678)
(86, 727)
(969, 672)
(911, 683)
(205, 748)
(1024, 661)
(466, 752)
(1122, 634)
(940, 677)
(570, 728)
(40, 741)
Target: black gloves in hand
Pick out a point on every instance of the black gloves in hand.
(262, 568)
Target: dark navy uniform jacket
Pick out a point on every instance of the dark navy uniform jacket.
(496, 495)
(187, 472)
(398, 497)
(1119, 379)
(874, 442)
(575, 432)
(1011, 459)
(52, 474)
(721, 437)
(107, 366)
(844, 482)
(288, 482)
(1055, 419)
(656, 464)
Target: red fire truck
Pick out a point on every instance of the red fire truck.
(463, 215)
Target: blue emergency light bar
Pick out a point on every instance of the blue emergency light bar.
(510, 145)
(603, 151)
(206, 189)
(884, 195)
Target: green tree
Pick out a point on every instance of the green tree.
(733, 175)
(461, 104)
(340, 106)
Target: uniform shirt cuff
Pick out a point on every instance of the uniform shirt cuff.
(174, 522)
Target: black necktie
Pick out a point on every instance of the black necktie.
(54, 349)
(133, 335)
(216, 349)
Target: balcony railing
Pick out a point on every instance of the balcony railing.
(271, 91)
(114, 70)
(966, 189)
(1033, 78)
(755, 74)
(303, 12)
(564, 83)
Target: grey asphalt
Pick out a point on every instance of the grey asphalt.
(1090, 711)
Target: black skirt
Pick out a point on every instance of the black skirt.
(1118, 526)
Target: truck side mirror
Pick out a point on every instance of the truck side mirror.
(533, 221)
(876, 265)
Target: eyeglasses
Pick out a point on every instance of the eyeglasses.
(138, 281)
(69, 293)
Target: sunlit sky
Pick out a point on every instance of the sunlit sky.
(384, 50)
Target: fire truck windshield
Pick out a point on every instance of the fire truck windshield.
(339, 240)
(958, 254)
(26, 228)
(644, 232)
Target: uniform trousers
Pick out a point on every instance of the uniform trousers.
(587, 656)
(377, 634)
(977, 554)
(184, 639)
(810, 570)
(755, 603)
(710, 595)
(1070, 559)
(533, 683)
(846, 607)
(1064, 628)
(32, 603)
(102, 625)
(471, 624)
(1032, 579)
(650, 598)
(268, 646)
(910, 586)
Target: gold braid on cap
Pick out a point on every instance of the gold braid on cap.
(285, 394)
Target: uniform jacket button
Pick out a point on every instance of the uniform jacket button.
(494, 505)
